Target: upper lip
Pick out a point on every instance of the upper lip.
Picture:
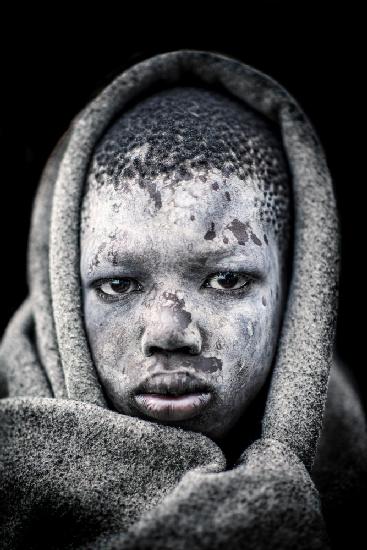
(173, 383)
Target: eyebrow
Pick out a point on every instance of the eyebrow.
(120, 258)
(198, 261)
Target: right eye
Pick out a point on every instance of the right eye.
(113, 288)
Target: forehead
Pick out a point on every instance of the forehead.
(176, 207)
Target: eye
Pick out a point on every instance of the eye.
(112, 289)
(228, 280)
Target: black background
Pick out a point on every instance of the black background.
(53, 63)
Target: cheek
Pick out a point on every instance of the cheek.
(112, 334)
(247, 345)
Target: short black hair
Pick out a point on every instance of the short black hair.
(188, 129)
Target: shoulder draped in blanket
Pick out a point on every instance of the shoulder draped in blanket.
(76, 474)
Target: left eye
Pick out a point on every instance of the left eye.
(227, 280)
(116, 287)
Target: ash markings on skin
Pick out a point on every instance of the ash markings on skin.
(255, 239)
(239, 230)
(113, 257)
(215, 186)
(242, 232)
(178, 305)
(155, 195)
(96, 261)
(210, 234)
(208, 364)
(228, 196)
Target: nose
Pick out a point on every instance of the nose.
(167, 330)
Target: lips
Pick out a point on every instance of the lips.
(172, 397)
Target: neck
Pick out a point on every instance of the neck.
(246, 430)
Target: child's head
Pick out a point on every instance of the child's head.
(184, 236)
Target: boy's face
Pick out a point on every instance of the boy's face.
(183, 293)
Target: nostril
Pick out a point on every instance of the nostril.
(155, 349)
(187, 349)
(190, 350)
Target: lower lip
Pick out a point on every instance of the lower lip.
(169, 407)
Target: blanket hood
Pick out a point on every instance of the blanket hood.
(48, 328)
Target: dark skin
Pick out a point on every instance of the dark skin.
(192, 290)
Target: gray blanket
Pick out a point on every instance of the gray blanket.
(75, 474)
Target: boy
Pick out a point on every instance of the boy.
(166, 382)
(184, 240)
